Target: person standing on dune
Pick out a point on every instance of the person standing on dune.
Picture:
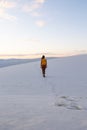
(43, 65)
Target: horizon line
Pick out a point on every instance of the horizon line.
(38, 55)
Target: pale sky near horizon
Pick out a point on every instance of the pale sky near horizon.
(43, 26)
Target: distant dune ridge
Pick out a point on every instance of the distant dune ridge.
(10, 62)
(15, 61)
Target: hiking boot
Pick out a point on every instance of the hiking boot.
(43, 75)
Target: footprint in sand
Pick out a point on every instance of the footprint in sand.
(69, 103)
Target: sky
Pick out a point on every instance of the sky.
(29, 27)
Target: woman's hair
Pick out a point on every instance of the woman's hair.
(43, 57)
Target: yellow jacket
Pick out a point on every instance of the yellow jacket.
(43, 62)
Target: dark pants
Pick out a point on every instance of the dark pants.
(43, 69)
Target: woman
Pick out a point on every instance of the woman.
(43, 65)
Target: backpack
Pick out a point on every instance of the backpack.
(43, 61)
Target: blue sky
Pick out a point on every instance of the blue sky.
(43, 26)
